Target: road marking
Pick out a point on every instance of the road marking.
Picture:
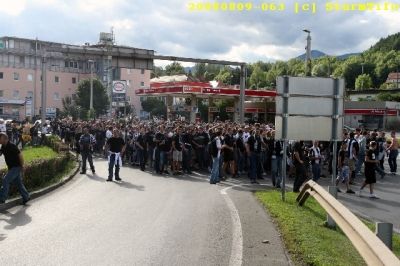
(236, 258)
(237, 236)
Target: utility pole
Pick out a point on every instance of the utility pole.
(308, 54)
(362, 79)
(44, 80)
(91, 84)
(242, 92)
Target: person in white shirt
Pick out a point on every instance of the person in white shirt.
(3, 127)
(316, 159)
(216, 147)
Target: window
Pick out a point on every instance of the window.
(15, 112)
(71, 64)
(1, 75)
(142, 71)
(11, 44)
(16, 76)
(30, 77)
(16, 94)
(66, 64)
(56, 96)
(142, 84)
(1, 110)
(1, 93)
(29, 94)
(56, 79)
(22, 59)
(73, 80)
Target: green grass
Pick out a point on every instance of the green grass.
(306, 237)
(35, 153)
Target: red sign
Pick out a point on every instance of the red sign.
(388, 112)
(230, 109)
(190, 89)
(254, 110)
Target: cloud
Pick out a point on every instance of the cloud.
(12, 8)
(170, 29)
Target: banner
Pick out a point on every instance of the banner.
(119, 86)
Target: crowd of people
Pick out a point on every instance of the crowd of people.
(223, 149)
(228, 150)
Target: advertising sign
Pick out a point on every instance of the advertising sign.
(119, 86)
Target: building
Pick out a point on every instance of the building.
(394, 78)
(66, 65)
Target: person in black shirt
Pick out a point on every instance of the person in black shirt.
(115, 146)
(149, 138)
(141, 146)
(370, 164)
(86, 144)
(15, 164)
(299, 163)
(187, 140)
(177, 151)
(252, 153)
(159, 140)
(227, 149)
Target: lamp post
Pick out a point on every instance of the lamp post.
(91, 84)
(308, 54)
(44, 79)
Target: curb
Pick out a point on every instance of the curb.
(38, 193)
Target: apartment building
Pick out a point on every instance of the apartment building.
(66, 65)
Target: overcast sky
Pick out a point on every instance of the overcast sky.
(169, 28)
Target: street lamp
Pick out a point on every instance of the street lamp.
(308, 54)
(91, 62)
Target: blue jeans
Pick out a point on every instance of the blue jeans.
(316, 170)
(159, 160)
(13, 176)
(255, 166)
(393, 160)
(187, 159)
(276, 169)
(361, 158)
(215, 170)
(111, 168)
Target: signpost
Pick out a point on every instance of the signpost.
(308, 109)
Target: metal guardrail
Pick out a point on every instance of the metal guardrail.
(370, 247)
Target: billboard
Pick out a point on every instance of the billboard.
(119, 86)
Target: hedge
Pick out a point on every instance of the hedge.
(42, 172)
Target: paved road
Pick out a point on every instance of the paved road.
(144, 220)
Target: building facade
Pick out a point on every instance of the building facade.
(66, 65)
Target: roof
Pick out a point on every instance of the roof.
(393, 76)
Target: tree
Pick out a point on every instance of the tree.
(100, 97)
(174, 69)
(363, 82)
(157, 72)
(199, 70)
(70, 108)
(387, 96)
(224, 76)
(154, 106)
(258, 78)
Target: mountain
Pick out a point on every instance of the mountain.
(391, 42)
(314, 54)
(317, 54)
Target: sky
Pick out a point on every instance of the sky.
(170, 28)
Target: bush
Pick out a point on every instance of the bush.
(41, 172)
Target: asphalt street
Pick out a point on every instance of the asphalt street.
(144, 220)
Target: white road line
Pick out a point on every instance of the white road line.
(236, 258)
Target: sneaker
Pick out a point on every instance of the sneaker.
(24, 201)
(109, 180)
(118, 179)
(349, 191)
(373, 196)
(83, 172)
(393, 173)
(338, 190)
(93, 171)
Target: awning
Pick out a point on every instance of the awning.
(11, 102)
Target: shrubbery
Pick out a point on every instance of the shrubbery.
(42, 172)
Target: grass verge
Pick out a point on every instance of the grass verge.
(35, 153)
(305, 235)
